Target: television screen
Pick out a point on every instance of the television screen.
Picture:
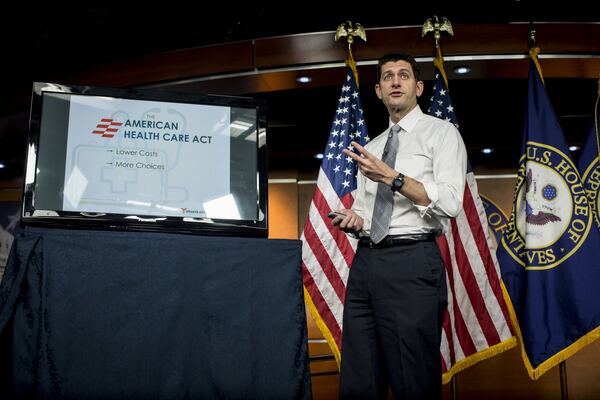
(146, 159)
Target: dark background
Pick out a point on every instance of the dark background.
(46, 40)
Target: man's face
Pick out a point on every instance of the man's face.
(398, 87)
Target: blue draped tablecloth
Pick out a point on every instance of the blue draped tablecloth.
(114, 315)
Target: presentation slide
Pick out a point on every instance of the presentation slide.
(147, 158)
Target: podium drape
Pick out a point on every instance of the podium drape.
(97, 314)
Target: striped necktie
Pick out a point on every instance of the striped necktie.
(384, 202)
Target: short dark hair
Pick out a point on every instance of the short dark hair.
(391, 57)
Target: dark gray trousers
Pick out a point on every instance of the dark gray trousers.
(393, 311)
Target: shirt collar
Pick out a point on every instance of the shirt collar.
(410, 120)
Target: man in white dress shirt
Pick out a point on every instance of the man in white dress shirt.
(411, 182)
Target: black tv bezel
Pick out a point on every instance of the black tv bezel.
(120, 222)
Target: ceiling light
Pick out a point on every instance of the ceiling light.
(304, 79)
(462, 69)
(574, 148)
(487, 150)
(1, 165)
(319, 156)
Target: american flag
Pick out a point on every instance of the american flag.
(327, 252)
(477, 323)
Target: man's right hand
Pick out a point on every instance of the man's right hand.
(351, 223)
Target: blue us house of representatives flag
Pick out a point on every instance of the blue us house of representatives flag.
(550, 250)
(589, 168)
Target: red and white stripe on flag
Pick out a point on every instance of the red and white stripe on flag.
(476, 323)
(327, 254)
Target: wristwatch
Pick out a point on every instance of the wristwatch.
(397, 183)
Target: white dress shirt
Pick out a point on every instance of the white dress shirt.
(431, 151)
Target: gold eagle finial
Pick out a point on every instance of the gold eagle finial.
(434, 25)
(349, 31)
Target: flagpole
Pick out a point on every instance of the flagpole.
(434, 25)
(562, 366)
(564, 390)
(322, 287)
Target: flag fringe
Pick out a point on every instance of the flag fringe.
(322, 327)
(536, 373)
(477, 357)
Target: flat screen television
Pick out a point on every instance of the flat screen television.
(146, 160)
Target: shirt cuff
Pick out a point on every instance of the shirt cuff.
(432, 192)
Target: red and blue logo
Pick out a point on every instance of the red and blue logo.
(107, 128)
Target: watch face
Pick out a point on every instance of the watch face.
(397, 184)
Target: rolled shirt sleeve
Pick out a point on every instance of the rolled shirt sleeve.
(449, 176)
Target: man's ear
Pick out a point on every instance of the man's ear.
(420, 86)
(378, 91)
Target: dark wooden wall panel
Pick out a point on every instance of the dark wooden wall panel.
(312, 48)
(171, 66)
(271, 55)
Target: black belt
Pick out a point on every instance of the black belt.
(397, 240)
